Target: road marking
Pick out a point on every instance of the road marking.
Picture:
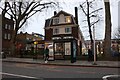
(107, 76)
(18, 75)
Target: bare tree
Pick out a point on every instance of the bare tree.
(117, 34)
(107, 39)
(90, 14)
(22, 10)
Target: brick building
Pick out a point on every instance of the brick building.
(7, 30)
(25, 42)
(62, 32)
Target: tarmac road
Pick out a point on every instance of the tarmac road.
(51, 72)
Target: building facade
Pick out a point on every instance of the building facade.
(7, 30)
(115, 46)
(27, 42)
(0, 33)
(62, 32)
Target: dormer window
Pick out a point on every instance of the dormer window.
(67, 19)
(56, 20)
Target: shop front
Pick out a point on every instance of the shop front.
(64, 49)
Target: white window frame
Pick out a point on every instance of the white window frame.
(56, 20)
(5, 35)
(9, 27)
(9, 36)
(6, 26)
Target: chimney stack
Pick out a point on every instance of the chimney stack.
(55, 13)
(11, 17)
(76, 15)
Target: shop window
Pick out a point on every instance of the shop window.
(67, 48)
(59, 47)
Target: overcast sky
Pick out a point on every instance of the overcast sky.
(36, 23)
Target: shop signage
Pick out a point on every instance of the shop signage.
(58, 38)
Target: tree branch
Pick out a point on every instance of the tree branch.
(83, 10)
(11, 9)
(20, 7)
(95, 10)
(84, 20)
(6, 11)
(32, 9)
(37, 11)
(23, 22)
(95, 22)
(27, 8)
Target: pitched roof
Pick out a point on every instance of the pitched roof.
(62, 12)
(50, 20)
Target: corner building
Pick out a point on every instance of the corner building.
(62, 32)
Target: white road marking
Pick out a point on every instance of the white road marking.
(23, 76)
(107, 76)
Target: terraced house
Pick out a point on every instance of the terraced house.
(63, 33)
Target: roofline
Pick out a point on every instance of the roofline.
(62, 11)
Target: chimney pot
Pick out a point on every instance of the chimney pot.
(55, 13)
(11, 17)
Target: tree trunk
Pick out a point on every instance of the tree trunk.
(107, 39)
(89, 25)
(13, 46)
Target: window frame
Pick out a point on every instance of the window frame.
(67, 17)
(5, 36)
(56, 20)
(68, 31)
(9, 27)
(9, 36)
(6, 26)
(56, 31)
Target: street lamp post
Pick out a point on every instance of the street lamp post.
(94, 63)
(35, 46)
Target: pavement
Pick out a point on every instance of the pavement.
(78, 63)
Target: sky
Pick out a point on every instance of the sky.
(36, 23)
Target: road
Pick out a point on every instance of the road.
(51, 72)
